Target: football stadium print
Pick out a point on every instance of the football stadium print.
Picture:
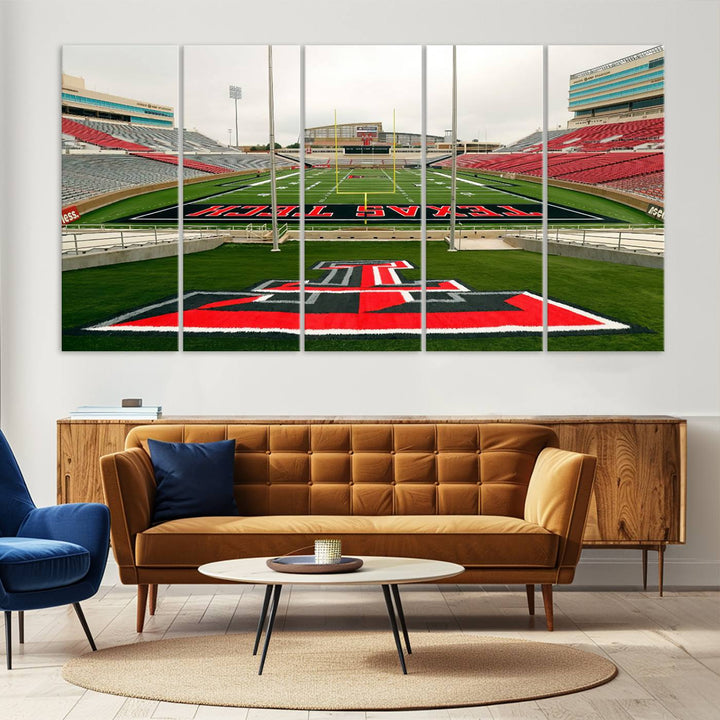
(347, 228)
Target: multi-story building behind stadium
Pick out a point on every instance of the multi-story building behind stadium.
(630, 88)
(369, 133)
(79, 102)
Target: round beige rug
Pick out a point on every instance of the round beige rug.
(336, 671)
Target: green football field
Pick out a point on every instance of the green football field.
(344, 197)
(241, 200)
(94, 296)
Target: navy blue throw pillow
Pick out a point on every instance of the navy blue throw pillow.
(193, 479)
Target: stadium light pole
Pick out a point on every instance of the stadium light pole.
(453, 174)
(236, 94)
(273, 181)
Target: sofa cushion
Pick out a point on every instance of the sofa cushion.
(193, 479)
(470, 540)
(31, 564)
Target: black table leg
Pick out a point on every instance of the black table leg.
(401, 616)
(271, 622)
(263, 615)
(393, 624)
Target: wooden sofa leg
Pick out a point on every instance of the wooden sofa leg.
(530, 590)
(142, 595)
(547, 593)
(152, 597)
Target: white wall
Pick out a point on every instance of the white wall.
(40, 383)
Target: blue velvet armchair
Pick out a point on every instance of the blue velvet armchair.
(48, 556)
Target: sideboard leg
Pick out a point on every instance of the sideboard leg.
(644, 565)
(530, 590)
(152, 598)
(547, 593)
(661, 567)
(141, 605)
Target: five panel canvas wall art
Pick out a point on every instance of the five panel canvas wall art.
(363, 198)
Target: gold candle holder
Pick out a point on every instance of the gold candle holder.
(328, 552)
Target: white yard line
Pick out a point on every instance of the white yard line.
(523, 197)
(255, 184)
(332, 189)
(397, 186)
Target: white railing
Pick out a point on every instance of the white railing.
(629, 239)
(77, 241)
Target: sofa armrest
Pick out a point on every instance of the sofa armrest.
(129, 487)
(558, 499)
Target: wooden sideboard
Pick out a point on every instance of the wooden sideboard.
(640, 486)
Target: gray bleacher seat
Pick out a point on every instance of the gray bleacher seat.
(239, 161)
(156, 138)
(87, 175)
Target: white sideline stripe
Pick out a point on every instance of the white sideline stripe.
(186, 329)
(516, 329)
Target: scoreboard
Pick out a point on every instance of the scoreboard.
(367, 149)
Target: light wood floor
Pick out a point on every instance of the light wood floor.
(667, 649)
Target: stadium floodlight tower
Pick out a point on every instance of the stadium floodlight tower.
(236, 94)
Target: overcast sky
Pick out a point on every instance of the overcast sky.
(499, 87)
(364, 84)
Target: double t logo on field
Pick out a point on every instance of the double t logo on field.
(363, 297)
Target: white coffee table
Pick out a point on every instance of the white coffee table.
(388, 572)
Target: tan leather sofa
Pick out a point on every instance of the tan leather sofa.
(500, 499)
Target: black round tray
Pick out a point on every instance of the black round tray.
(307, 564)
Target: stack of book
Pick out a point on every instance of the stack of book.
(105, 412)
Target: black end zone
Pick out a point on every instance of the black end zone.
(522, 213)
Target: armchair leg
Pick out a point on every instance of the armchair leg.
(21, 626)
(530, 590)
(547, 593)
(152, 598)
(141, 605)
(8, 638)
(83, 622)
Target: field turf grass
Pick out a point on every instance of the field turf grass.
(325, 187)
(630, 294)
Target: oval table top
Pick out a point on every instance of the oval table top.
(374, 571)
